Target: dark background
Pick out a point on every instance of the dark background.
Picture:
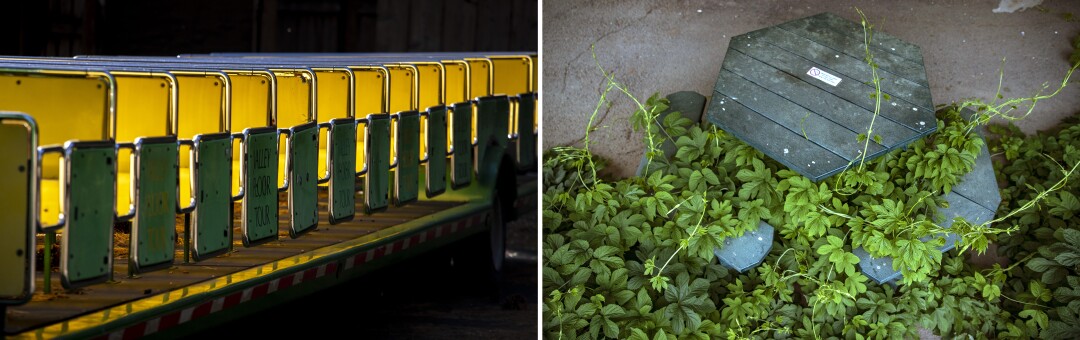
(169, 27)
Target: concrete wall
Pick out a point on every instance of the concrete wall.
(667, 46)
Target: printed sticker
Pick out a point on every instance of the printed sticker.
(823, 76)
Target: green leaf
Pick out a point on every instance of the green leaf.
(638, 334)
(1068, 259)
(660, 335)
(845, 262)
(650, 208)
(991, 292)
(1038, 317)
(1072, 236)
(752, 212)
(835, 244)
(856, 284)
(613, 310)
(643, 304)
(696, 179)
(581, 276)
(710, 176)
(1040, 265)
(688, 149)
(688, 300)
(611, 330)
(1039, 291)
(659, 283)
(664, 196)
(816, 224)
(1054, 275)
(586, 310)
(1067, 205)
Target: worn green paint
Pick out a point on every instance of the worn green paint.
(213, 171)
(435, 176)
(153, 230)
(87, 241)
(486, 110)
(342, 150)
(526, 145)
(461, 162)
(260, 220)
(492, 123)
(303, 179)
(407, 173)
(377, 183)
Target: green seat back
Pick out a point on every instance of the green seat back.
(407, 173)
(461, 162)
(492, 123)
(212, 230)
(259, 222)
(153, 231)
(435, 176)
(377, 183)
(86, 247)
(342, 153)
(302, 171)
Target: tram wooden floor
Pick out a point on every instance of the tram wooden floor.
(60, 305)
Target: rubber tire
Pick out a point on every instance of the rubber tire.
(479, 259)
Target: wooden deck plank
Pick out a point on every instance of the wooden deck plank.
(808, 92)
(853, 46)
(802, 122)
(802, 155)
(882, 40)
(898, 87)
(905, 119)
(809, 77)
(51, 308)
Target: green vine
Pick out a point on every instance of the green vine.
(603, 238)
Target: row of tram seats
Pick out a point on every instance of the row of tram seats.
(134, 164)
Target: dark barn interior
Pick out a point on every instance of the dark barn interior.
(132, 27)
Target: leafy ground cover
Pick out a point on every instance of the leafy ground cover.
(633, 258)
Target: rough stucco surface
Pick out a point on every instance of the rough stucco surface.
(667, 46)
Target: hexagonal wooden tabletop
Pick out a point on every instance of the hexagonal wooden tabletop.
(802, 92)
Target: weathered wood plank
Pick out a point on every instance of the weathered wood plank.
(802, 123)
(125, 289)
(853, 46)
(882, 40)
(807, 81)
(980, 185)
(898, 87)
(809, 95)
(848, 89)
(802, 155)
